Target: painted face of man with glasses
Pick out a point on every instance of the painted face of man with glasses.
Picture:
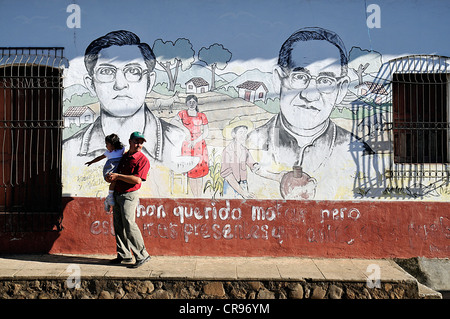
(121, 80)
(312, 83)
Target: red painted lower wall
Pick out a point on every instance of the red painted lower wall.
(365, 229)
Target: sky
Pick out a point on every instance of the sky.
(250, 29)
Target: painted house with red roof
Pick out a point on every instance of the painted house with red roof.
(252, 91)
(197, 85)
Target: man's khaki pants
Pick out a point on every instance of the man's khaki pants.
(128, 235)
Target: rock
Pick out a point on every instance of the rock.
(34, 295)
(387, 287)
(16, 288)
(95, 286)
(129, 286)
(335, 292)
(119, 293)
(214, 288)
(36, 284)
(132, 295)
(43, 295)
(366, 294)
(296, 291)
(255, 285)
(67, 295)
(105, 295)
(237, 293)
(161, 294)
(350, 293)
(118, 296)
(4, 295)
(265, 294)
(318, 293)
(52, 286)
(194, 292)
(397, 293)
(146, 287)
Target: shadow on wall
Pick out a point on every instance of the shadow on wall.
(400, 117)
(34, 232)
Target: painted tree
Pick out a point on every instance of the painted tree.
(364, 62)
(216, 57)
(171, 56)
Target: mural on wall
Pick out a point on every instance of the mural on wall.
(304, 131)
(301, 138)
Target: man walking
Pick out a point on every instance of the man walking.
(132, 171)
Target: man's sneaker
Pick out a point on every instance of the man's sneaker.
(139, 263)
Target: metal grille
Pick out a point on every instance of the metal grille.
(30, 138)
(420, 118)
(409, 108)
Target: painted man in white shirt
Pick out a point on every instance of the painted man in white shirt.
(312, 77)
(121, 73)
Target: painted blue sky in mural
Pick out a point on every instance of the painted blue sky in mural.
(249, 29)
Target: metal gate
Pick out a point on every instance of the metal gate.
(30, 139)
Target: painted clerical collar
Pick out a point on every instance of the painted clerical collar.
(303, 140)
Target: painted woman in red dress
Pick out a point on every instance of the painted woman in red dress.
(195, 145)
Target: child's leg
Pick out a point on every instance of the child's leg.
(110, 197)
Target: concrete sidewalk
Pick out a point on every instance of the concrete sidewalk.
(286, 269)
(201, 268)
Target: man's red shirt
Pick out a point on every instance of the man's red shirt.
(132, 164)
